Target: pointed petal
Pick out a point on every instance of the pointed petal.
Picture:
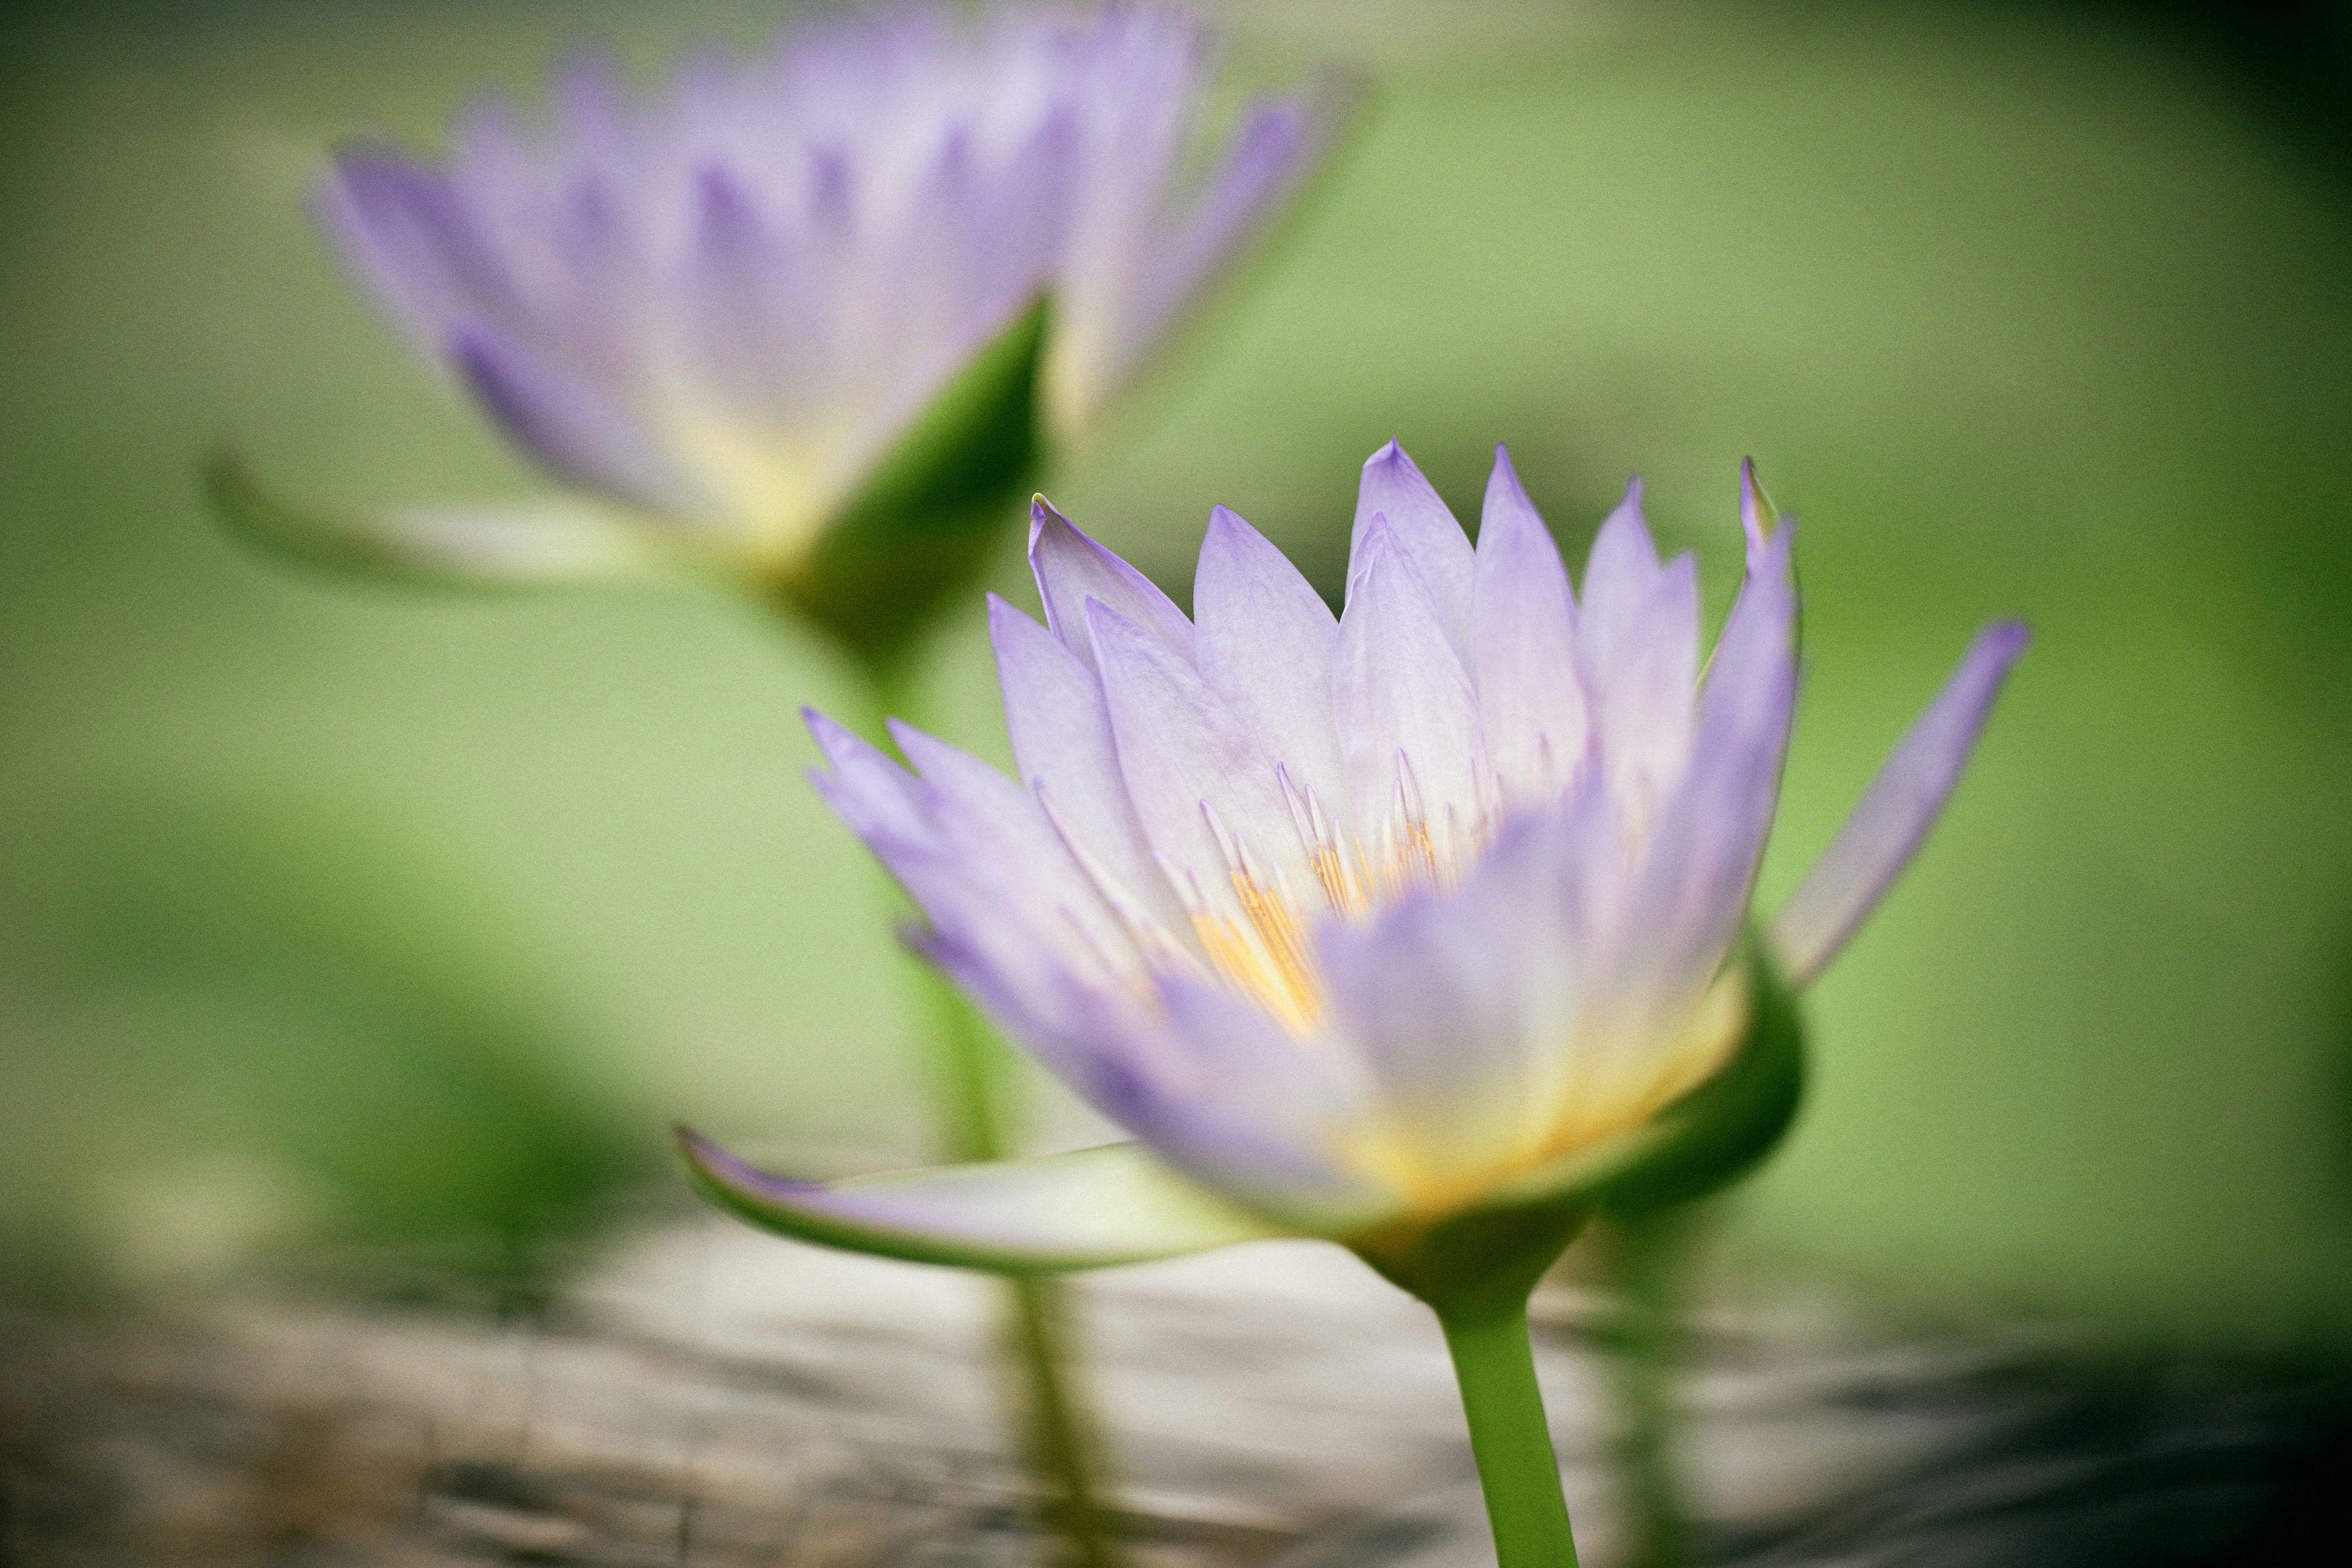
(873, 796)
(1003, 838)
(544, 541)
(1641, 658)
(1702, 867)
(1267, 641)
(1531, 707)
(574, 428)
(1886, 829)
(1757, 513)
(1180, 748)
(1088, 1209)
(1136, 301)
(1425, 531)
(1060, 728)
(1402, 697)
(408, 232)
(1617, 575)
(1072, 568)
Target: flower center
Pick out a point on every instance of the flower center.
(1261, 943)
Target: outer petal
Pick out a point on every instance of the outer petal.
(545, 541)
(1702, 866)
(576, 430)
(1886, 829)
(1401, 697)
(1273, 1148)
(998, 830)
(873, 796)
(1083, 1210)
(1425, 531)
(408, 232)
(1072, 568)
(1266, 642)
(1531, 706)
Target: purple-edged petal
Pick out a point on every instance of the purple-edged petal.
(1641, 658)
(1407, 713)
(1088, 1209)
(1886, 829)
(1531, 705)
(1060, 728)
(873, 796)
(1181, 749)
(1436, 995)
(1271, 1147)
(1618, 575)
(1267, 641)
(406, 228)
(1071, 569)
(1150, 276)
(1693, 895)
(1425, 529)
(572, 426)
(1002, 837)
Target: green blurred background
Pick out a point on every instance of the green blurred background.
(334, 917)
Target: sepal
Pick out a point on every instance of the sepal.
(1088, 1209)
(921, 524)
(540, 542)
(1722, 1129)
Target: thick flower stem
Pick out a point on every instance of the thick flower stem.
(1517, 1471)
(970, 1071)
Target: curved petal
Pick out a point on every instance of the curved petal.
(1531, 707)
(1425, 529)
(1403, 702)
(1459, 1004)
(1088, 1209)
(1060, 728)
(1274, 1147)
(1702, 866)
(1642, 666)
(410, 234)
(522, 545)
(1072, 568)
(1886, 829)
(1192, 769)
(574, 428)
(1618, 573)
(1267, 641)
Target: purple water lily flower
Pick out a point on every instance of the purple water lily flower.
(714, 315)
(1364, 922)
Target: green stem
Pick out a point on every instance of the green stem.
(1646, 1253)
(1061, 1450)
(1517, 1471)
(970, 1073)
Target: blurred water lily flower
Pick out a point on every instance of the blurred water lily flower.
(849, 286)
(1381, 926)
